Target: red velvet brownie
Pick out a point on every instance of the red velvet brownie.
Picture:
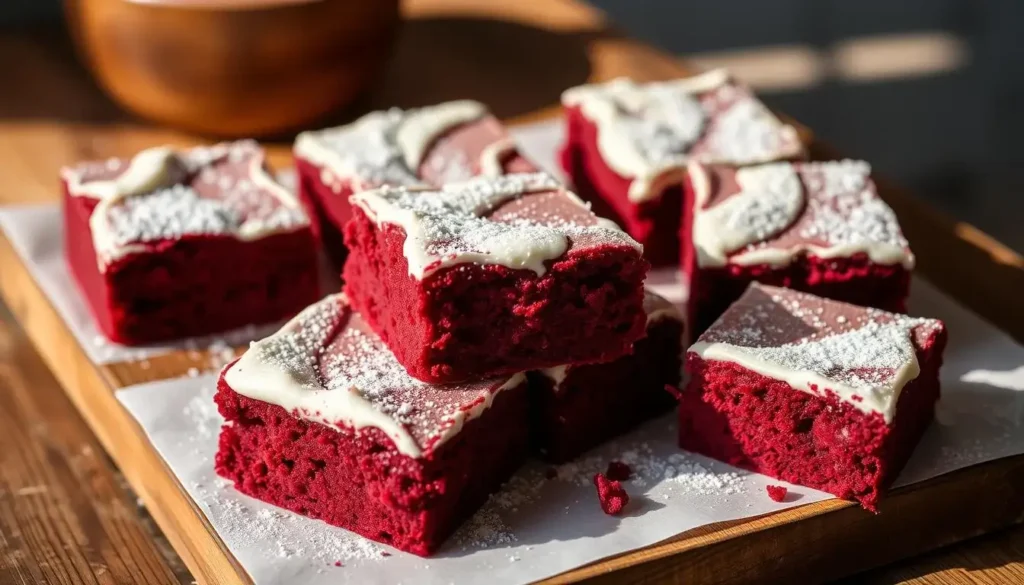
(577, 407)
(170, 244)
(453, 141)
(628, 144)
(812, 391)
(323, 421)
(818, 227)
(492, 276)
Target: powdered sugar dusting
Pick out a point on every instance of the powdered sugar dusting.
(844, 210)
(219, 190)
(366, 149)
(658, 475)
(842, 215)
(260, 524)
(463, 222)
(745, 131)
(770, 199)
(660, 121)
(863, 356)
(646, 131)
(326, 366)
(386, 147)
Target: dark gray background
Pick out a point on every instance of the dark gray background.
(953, 136)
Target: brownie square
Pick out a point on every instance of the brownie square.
(818, 227)
(434, 145)
(578, 407)
(628, 145)
(323, 421)
(812, 391)
(492, 276)
(171, 244)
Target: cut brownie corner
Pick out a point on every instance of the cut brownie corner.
(812, 391)
(322, 420)
(460, 286)
(576, 407)
(627, 146)
(817, 227)
(611, 495)
(172, 244)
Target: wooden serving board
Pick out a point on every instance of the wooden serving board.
(517, 57)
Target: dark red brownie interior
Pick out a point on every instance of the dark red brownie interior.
(627, 145)
(576, 408)
(535, 280)
(462, 140)
(655, 223)
(812, 391)
(205, 243)
(836, 238)
(323, 421)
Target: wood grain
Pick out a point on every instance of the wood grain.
(91, 389)
(64, 518)
(994, 559)
(516, 56)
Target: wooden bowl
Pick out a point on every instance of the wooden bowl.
(234, 68)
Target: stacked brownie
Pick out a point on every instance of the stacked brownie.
(481, 319)
(323, 421)
(578, 406)
(435, 145)
(794, 385)
(488, 313)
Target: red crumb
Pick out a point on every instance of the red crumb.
(675, 392)
(613, 498)
(385, 554)
(338, 564)
(777, 492)
(618, 471)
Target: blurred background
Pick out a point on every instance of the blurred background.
(928, 90)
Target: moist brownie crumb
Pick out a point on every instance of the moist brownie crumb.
(776, 492)
(611, 494)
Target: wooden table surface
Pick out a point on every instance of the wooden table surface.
(67, 516)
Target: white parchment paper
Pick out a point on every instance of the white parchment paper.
(37, 234)
(548, 520)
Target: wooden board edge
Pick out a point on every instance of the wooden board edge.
(184, 525)
(985, 497)
(695, 554)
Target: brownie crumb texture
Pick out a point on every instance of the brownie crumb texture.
(611, 494)
(777, 492)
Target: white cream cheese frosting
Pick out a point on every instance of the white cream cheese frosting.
(165, 194)
(862, 357)
(327, 367)
(454, 224)
(779, 211)
(648, 132)
(385, 147)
